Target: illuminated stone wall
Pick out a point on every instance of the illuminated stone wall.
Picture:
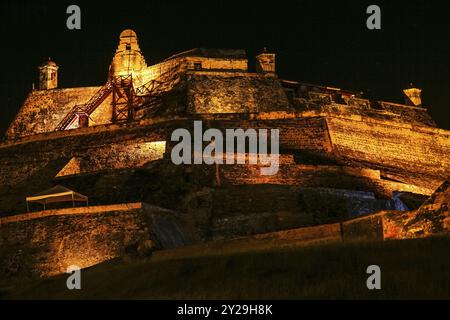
(71, 168)
(102, 114)
(394, 149)
(432, 218)
(391, 113)
(235, 94)
(172, 68)
(31, 166)
(43, 110)
(317, 176)
(116, 156)
(216, 64)
(47, 243)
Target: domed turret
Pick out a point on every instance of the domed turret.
(128, 58)
(48, 75)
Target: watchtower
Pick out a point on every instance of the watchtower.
(48, 75)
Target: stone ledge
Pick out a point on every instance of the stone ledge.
(275, 115)
(71, 211)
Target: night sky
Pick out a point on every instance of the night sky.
(322, 42)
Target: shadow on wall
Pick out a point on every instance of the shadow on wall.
(47, 243)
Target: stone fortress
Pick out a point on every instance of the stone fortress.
(352, 167)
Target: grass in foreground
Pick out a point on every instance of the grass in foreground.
(411, 269)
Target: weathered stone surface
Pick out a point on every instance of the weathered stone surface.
(226, 212)
(48, 242)
(431, 218)
(385, 112)
(364, 229)
(235, 94)
(44, 109)
(392, 149)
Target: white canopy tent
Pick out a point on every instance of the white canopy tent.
(57, 194)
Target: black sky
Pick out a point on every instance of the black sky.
(323, 42)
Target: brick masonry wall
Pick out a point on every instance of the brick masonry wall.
(295, 134)
(217, 64)
(388, 146)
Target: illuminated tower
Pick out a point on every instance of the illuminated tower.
(48, 75)
(265, 62)
(128, 58)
